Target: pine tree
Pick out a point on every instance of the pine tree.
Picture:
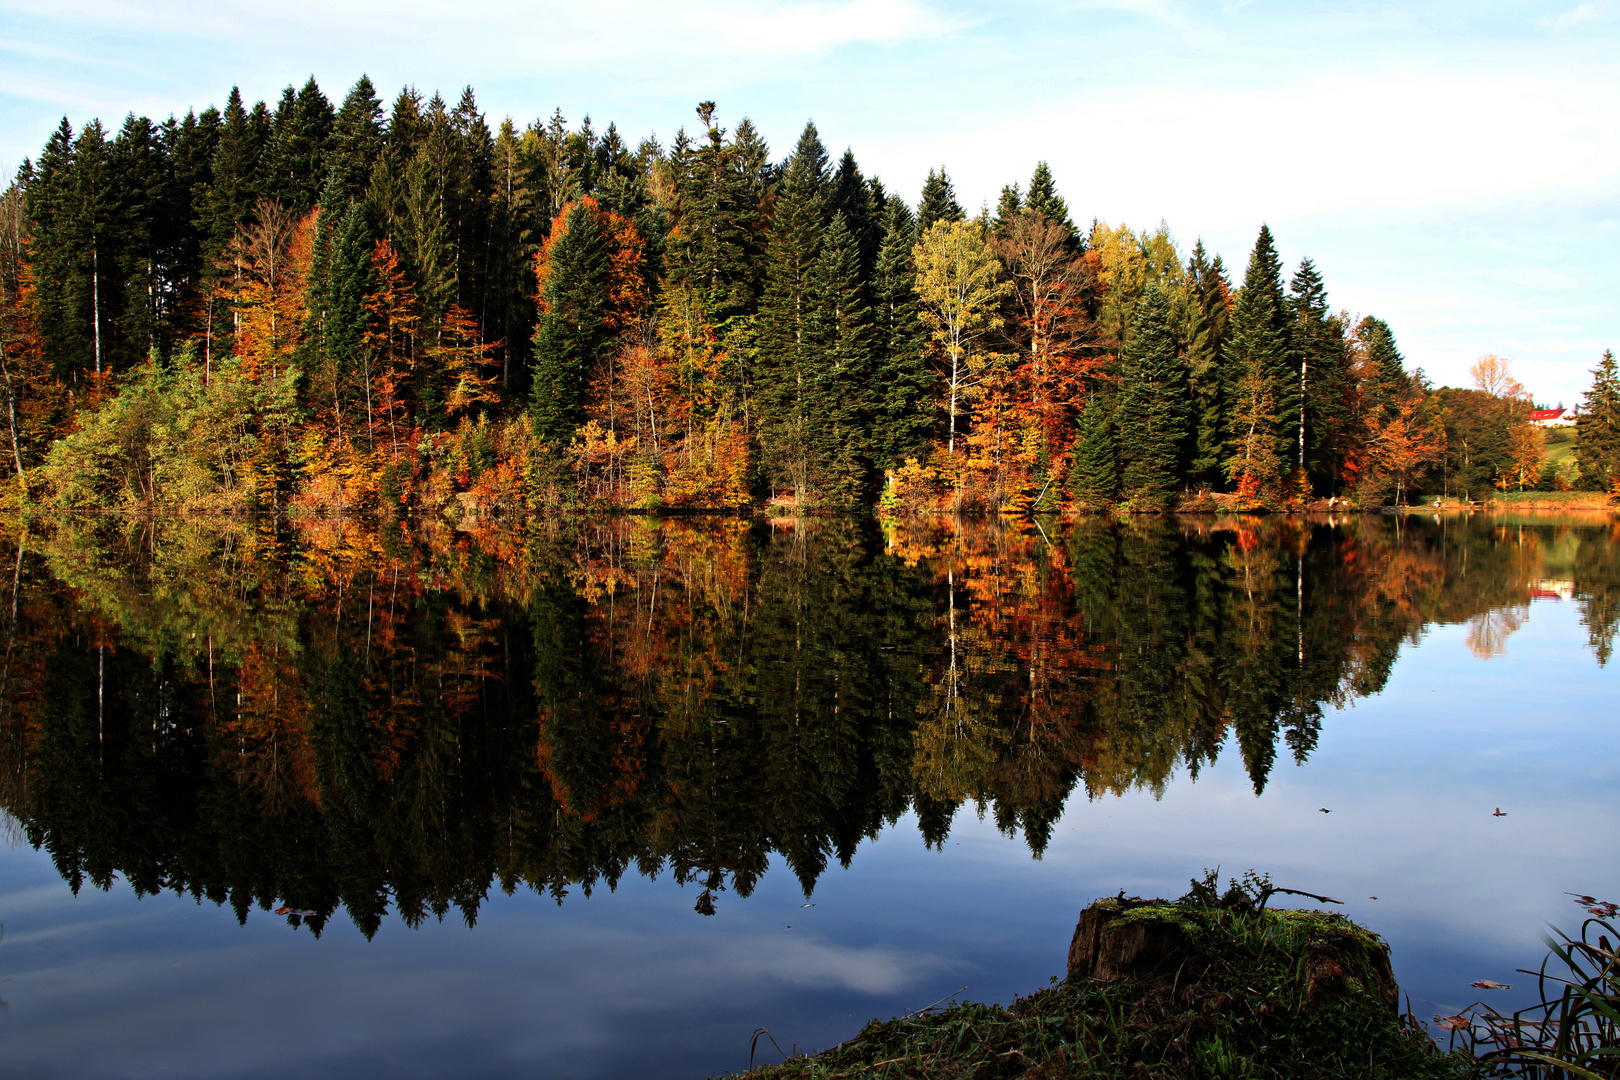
(841, 391)
(902, 420)
(849, 194)
(1262, 359)
(1094, 474)
(229, 202)
(938, 202)
(1044, 199)
(572, 327)
(786, 359)
(1153, 404)
(1598, 430)
(356, 142)
(296, 166)
(1324, 374)
(141, 175)
(1008, 207)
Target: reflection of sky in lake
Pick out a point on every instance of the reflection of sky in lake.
(634, 983)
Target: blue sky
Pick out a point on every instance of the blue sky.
(1452, 167)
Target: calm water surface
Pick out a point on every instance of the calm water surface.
(599, 799)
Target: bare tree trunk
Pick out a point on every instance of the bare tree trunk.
(95, 301)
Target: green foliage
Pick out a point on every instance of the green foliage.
(1265, 391)
(1599, 426)
(572, 329)
(1094, 476)
(169, 439)
(1153, 404)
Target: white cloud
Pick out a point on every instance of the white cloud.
(1575, 16)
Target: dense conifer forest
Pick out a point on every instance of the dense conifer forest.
(311, 308)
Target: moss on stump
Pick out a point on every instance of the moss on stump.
(1209, 986)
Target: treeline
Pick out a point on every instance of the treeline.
(357, 308)
(340, 715)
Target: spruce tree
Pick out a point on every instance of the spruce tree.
(785, 357)
(938, 202)
(235, 183)
(1262, 359)
(901, 417)
(1598, 430)
(849, 194)
(1007, 207)
(572, 328)
(296, 168)
(1153, 404)
(1044, 199)
(841, 391)
(1094, 473)
(356, 142)
(1202, 325)
(141, 175)
(1324, 374)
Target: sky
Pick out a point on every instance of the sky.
(1452, 167)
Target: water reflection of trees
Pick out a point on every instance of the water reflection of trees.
(330, 714)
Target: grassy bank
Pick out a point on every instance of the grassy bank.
(1222, 986)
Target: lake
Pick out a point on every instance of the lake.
(602, 797)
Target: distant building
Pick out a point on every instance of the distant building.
(1559, 417)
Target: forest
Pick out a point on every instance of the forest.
(310, 309)
(401, 715)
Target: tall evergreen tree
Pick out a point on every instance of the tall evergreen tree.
(1323, 374)
(786, 359)
(1094, 473)
(1261, 354)
(902, 420)
(849, 194)
(297, 165)
(1201, 336)
(572, 328)
(1044, 199)
(938, 201)
(1598, 445)
(1153, 404)
(841, 392)
(356, 142)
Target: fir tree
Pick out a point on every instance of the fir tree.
(1008, 207)
(1153, 404)
(849, 194)
(901, 417)
(1262, 358)
(1044, 199)
(1324, 373)
(1200, 333)
(356, 142)
(572, 328)
(785, 356)
(1598, 430)
(840, 369)
(233, 192)
(938, 202)
(1094, 473)
(298, 145)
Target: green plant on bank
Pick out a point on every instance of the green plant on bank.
(1247, 998)
(1573, 1033)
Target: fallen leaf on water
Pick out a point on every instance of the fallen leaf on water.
(807, 905)
(1584, 900)
(304, 912)
(283, 911)
(1604, 910)
(1325, 810)
(1492, 984)
(1499, 812)
(1372, 897)
(1452, 1023)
